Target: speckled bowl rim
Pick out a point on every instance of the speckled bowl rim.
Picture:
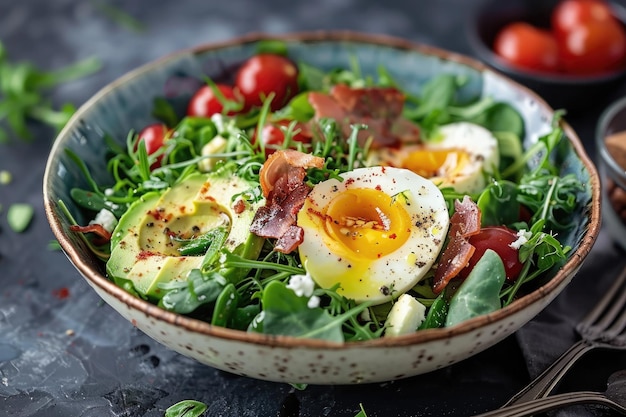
(204, 328)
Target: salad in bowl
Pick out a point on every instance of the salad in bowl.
(280, 197)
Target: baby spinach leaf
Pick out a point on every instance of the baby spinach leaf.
(225, 305)
(185, 297)
(186, 408)
(287, 314)
(480, 292)
(498, 204)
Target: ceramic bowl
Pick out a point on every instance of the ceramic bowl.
(611, 149)
(126, 104)
(573, 93)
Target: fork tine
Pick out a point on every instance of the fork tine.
(607, 308)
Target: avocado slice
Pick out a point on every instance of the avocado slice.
(143, 249)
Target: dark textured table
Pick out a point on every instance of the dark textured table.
(65, 353)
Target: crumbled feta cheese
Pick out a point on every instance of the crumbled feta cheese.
(109, 192)
(522, 237)
(302, 285)
(106, 219)
(313, 302)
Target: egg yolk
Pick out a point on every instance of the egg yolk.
(436, 162)
(366, 223)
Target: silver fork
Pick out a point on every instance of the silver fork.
(603, 327)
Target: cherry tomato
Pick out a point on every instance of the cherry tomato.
(273, 136)
(497, 238)
(593, 47)
(528, 47)
(264, 74)
(154, 136)
(206, 103)
(569, 14)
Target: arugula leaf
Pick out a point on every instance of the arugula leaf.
(23, 97)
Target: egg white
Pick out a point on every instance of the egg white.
(470, 152)
(375, 234)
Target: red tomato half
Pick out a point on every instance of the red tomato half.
(593, 47)
(154, 136)
(499, 239)
(273, 136)
(525, 46)
(206, 103)
(264, 74)
(569, 14)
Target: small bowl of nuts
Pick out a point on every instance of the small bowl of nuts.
(611, 144)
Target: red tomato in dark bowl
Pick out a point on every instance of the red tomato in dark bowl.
(205, 102)
(499, 239)
(525, 46)
(263, 75)
(154, 137)
(593, 47)
(569, 14)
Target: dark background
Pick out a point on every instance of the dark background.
(63, 352)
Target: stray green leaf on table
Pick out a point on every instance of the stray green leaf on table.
(23, 95)
(186, 408)
(19, 216)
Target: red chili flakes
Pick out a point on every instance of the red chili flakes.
(349, 181)
(61, 293)
(144, 254)
(378, 188)
(239, 206)
(393, 236)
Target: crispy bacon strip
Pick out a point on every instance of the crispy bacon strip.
(286, 163)
(282, 183)
(103, 234)
(379, 108)
(464, 223)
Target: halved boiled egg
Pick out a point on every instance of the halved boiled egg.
(376, 233)
(458, 158)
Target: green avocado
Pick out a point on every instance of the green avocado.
(145, 244)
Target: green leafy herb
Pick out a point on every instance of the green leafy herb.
(480, 292)
(285, 313)
(186, 408)
(361, 413)
(19, 216)
(23, 95)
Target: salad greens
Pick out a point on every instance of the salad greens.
(23, 94)
(268, 298)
